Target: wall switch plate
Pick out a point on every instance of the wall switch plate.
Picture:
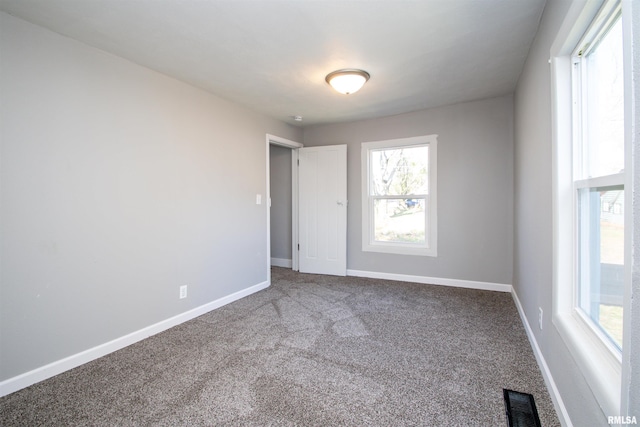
(183, 291)
(258, 199)
(540, 317)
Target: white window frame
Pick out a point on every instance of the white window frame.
(597, 358)
(431, 220)
(610, 13)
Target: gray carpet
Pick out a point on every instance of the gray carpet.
(309, 351)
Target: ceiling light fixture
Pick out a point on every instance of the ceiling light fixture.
(347, 81)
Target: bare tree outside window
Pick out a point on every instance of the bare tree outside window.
(400, 172)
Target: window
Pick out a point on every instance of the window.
(598, 170)
(399, 196)
(591, 189)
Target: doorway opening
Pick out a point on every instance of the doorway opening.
(282, 199)
(318, 205)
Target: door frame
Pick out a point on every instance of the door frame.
(294, 146)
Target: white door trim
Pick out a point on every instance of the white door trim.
(283, 142)
(295, 204)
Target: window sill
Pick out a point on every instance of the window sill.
(400, 250)
(600, 366)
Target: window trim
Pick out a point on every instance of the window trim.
(431, 199)
(597, 358)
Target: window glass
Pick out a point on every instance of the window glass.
(401, 171)
(604, 105)
(601, 258)
(399, 220)
(599, 183)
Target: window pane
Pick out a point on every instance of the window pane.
(400, 171)
(399, 220)
(601, 257)
(604, 105)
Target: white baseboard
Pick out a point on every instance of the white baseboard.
(281, 262)
(563, 414)
(28, 378)
(486, 286)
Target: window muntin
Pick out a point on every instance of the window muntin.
(399, 213)
(599, 149)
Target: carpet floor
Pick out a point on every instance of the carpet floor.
(308, 351)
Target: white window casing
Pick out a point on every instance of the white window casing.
(596, 356)
(428, 199)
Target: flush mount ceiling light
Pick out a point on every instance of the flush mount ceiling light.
(347, 81)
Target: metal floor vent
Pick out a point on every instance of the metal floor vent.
(521, 409)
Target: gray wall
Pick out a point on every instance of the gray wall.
(119, 184)
(280, 173)
(475, 188)
(533, 216)
(533, 263)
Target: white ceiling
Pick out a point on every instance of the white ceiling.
(273, 55)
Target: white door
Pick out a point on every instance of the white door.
(323, 210)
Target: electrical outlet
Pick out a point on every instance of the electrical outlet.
(183, 291)
(540, 317)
